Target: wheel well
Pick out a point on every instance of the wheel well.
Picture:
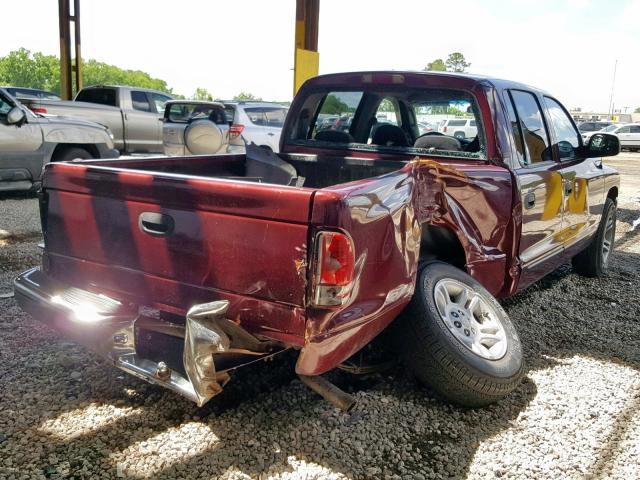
(61, 147)
(613, 194)
(441, 243)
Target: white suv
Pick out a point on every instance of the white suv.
(460, 128)
(257, 122)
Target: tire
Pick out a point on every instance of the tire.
(593, 261)
(71, 153)
(441, 360)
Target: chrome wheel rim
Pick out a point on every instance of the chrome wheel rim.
(472, 320)
(609, 234)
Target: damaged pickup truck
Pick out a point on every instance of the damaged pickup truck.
(182, 269)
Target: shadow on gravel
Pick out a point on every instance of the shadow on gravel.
(265, 416)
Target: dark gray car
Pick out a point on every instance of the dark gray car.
(29, 140)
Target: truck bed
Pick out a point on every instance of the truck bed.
(231, 237)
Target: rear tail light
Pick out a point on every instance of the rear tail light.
(38, 109)
(335, 265)
(444, 129)
(235, 130)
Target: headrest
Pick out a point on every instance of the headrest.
(335, 136)
(389, 136)
(439, 142)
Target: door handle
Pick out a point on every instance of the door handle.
(156, 224)
(529, 200)
(271, 134)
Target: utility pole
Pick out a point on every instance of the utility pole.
(306, 56)
(613, 84)
(67, 68)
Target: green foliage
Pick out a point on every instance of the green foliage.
(24, 69)
(246, 97)
(637, 110)
(202, 94)
(35, 70)
(455, 63)
(334, 106)
(437, 65)
(386, 106)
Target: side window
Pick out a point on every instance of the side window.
(626, 129)
(534, 133)
(140, 101)
(5, 107)
(159, 101)
(566, 137)
(336, 115)
(634, 129)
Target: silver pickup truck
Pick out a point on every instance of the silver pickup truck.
(133, 115)
(29, 140)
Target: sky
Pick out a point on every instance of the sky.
(568, 47)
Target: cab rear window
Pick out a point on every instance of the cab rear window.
(389, 118)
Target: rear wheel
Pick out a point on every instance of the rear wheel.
(457, 339)
(71, 153)
(593, 261)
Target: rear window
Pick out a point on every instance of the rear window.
(266, 116)
(389, 118)
(184, 112)
(103, 96)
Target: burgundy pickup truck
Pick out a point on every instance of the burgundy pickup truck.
(182, 269)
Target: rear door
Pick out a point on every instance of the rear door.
(582, 179)
(634, 131)
(540, 185)
(143, 123)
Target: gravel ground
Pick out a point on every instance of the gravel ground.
(65, 413)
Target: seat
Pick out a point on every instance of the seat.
(438, 142)
(388, 135)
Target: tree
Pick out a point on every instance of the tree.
(334, 106)
(456, 62)
(637, 110)
(22, 68)
(246, 96)
(202, 94)
(437, 65)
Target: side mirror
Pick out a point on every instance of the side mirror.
(602, 145)
(16, 116)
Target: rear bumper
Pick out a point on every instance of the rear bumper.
(108, 327)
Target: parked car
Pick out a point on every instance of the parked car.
(459, 128)
(257, 122)
(31, 93)
(182, 269)
(585, 127)
(425, 127)
(198, 128)
(132, 114)
(608, 129)
(28, 141)
(629, 136)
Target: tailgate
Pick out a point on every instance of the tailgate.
(167, 238)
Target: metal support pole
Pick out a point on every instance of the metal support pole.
(306, 49)
(67, 68)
